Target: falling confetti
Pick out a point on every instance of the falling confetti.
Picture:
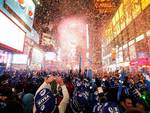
(50, 13)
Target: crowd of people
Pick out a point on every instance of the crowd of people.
(24, 91)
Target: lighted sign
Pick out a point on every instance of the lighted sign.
(120, 56)
(139, 38)
(136, 8)
(47, 40)
(25, 10)
(125, 55)
(113, 54)
(104, 5)
(116, 24)
(133, 62)
(125, 46)
(37, 56)
(109, 32)
(128, 11)
(34, 36)
(122, 16)
(148, 33)
(142, 61)
(145, 3)
(117, 28)
(20, 59)
(11, 36)
(117, 16)
(142, 54)
(132, 52)
(131, 42)
(50, 56)
(120, 48)
(113, 21)
(3, 56)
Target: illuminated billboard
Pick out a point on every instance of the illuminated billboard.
(37, 56)
(24, 9)
(47, 40)
(50, 56)
(11, 36)
(132, 52)
(145, 4)
(20, 59)
(122, 17)
(128, 11)
(136, 8)
(3, 56)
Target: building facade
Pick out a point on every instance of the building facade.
(126, 39)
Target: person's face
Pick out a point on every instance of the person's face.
(50, 79)
(59, 80)
(132, 82)
(3, 98)
(128, 103)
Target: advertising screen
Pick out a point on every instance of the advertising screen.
(11, 36)
(24, 9)
(136, 8)
(125, 55)
(50, 56)
(132, 52)
(128, 11)
(145, 3)
(20, 59)
(3, 56)
(37, 56)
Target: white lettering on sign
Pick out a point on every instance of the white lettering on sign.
(113, 110)
(43, 100)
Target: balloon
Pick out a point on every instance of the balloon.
(21, 1)
(30, 13)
